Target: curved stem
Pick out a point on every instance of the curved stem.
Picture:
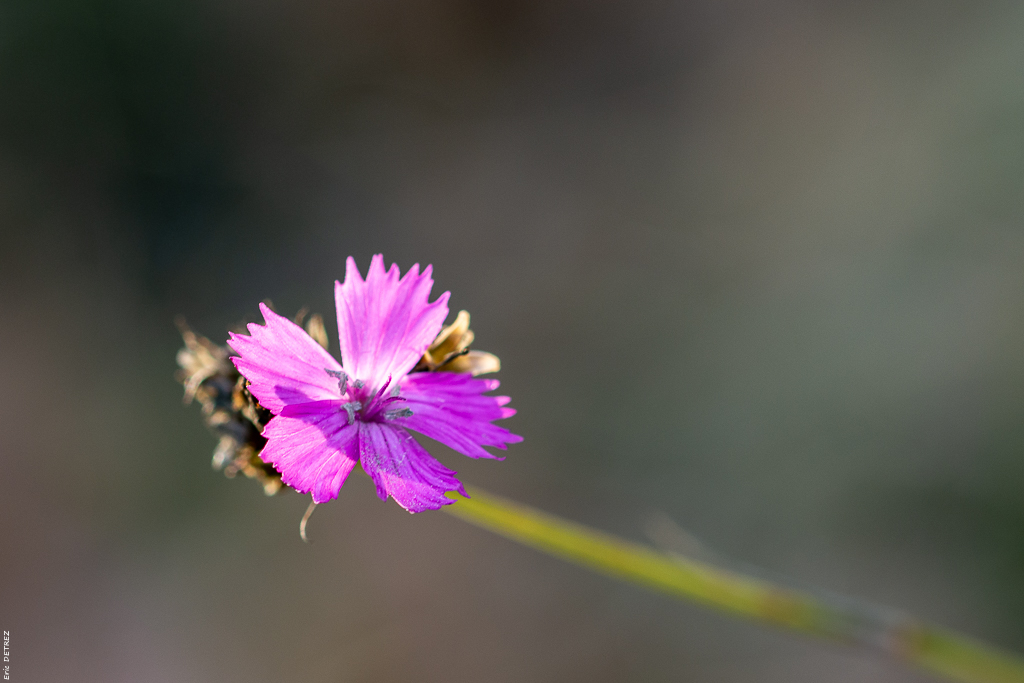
(896, 635)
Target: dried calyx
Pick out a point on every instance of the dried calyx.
(233, 413)
(228, 408)
(450, 352)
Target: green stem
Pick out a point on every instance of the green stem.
(896, 635)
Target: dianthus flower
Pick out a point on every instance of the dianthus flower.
(328, 415)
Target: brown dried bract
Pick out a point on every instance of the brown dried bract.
(450, 352)
(228, 409)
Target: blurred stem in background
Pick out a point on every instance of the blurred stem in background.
(891, 633)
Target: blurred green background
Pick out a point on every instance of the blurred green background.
(753, 266)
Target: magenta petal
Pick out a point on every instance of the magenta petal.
(283, 364)
(452, 408)
(385, 323)
(313, 447)
(401, 468)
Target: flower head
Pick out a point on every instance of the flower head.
(328, 416)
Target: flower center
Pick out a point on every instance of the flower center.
(360, 405)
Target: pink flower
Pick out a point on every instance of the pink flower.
(329, 416)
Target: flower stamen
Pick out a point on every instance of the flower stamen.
(341, 377)
(351, 409)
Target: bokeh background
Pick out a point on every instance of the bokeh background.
(755, 268)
